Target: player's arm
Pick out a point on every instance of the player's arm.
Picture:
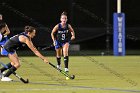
(32, 47)
(53, 34)
(72, 32)
(7, 31)
(36, 52)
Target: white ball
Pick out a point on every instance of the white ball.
(67, 78)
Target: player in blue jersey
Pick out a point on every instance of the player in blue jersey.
(3, 34)
(60, 40)
(15, 42)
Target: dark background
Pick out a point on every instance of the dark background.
(92, 20)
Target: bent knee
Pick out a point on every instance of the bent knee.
(17, 65)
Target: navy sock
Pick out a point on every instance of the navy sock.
(66, 60)
(4, 68)
(10, 71)
(58, 60)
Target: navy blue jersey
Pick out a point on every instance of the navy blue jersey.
(62, 33)
(13, 43)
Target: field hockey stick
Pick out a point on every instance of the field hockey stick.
(51, 47)
(19, 77)
(63, 72)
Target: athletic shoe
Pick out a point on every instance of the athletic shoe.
(6, 79)
(58, 66)
(66, 70)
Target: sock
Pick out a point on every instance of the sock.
(66, 60)
(10, 71)
(59, 60)
(3, 68)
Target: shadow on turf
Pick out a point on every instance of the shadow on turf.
(85, 87)
(60, 81)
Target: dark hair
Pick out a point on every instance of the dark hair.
(64, 13)
(2, 24)
(29, 29)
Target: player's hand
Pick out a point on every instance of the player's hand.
(54, 43)
(46, 60)
(72, 37)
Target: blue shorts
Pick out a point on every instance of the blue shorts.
(5, 52)
(59, 44)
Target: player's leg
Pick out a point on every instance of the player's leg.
(16, 64)
(58, 57)
(66, 57)
(9, 65)
(58, 53)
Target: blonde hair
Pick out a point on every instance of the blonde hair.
(64, 13)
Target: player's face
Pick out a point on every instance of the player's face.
(63, 19)
(32, 34)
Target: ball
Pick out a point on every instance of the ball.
(67, 78)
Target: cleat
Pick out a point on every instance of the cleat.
(66, 70)
(6, 79)
(58, 66)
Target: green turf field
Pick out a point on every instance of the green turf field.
(94, 74)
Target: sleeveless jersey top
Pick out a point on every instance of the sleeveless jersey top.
(13, 42)
(62, 33)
